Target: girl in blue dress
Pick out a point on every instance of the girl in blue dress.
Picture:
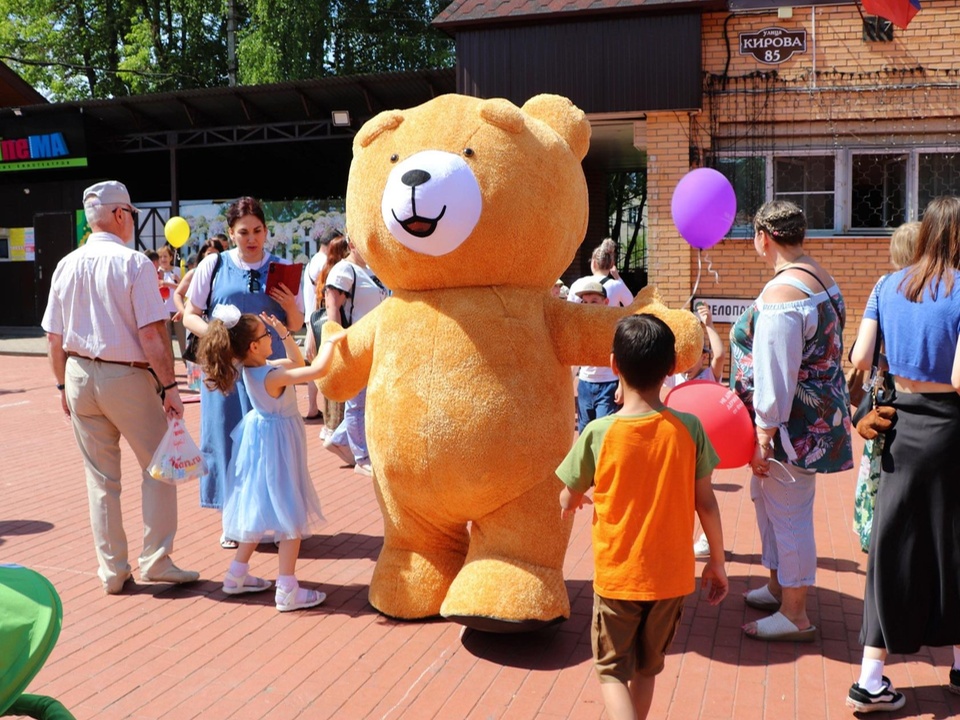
(236, 277)
(270, 491)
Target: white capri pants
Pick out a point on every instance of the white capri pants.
(785, 519)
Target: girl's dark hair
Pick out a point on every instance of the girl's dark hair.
(643, 347)
(222, 348)
(782, 220)
(938, 250)
(212, 244)
(243, 207)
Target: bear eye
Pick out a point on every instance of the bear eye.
(468, 152)
(394, 158)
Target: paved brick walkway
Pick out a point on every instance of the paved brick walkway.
(192, 652)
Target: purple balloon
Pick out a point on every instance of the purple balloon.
(703, 207)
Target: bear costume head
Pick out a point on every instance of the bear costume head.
(443, 208)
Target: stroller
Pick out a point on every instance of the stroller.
(30, 618)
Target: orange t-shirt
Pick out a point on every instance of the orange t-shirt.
(643, 469)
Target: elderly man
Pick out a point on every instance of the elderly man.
(111, 355)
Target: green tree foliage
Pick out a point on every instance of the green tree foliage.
(84, 49)
(626, 199)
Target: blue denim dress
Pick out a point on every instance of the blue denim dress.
(219, 413)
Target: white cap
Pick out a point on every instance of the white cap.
(587, 284)
(108, 192)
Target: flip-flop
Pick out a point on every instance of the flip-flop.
(778, 628)
(762, 599)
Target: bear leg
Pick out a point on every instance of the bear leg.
(418, 562)
(512, 579)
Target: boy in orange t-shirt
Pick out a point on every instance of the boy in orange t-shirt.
(650, 468)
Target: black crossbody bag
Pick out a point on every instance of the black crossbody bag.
(193, 342)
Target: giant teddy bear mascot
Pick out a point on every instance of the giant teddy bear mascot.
(469, 210)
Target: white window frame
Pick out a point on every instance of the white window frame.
(842, 181)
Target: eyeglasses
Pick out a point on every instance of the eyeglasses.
(133, 211)
(253, 278)
(266, 333)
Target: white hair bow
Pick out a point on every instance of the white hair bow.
(229, 315)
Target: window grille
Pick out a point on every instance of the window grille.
(878, 187)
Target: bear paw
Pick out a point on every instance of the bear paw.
(494, 595)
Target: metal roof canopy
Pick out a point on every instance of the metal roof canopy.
(281, 112)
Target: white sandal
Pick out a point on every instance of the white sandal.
(240, 585)
(762, 599)
(298, 599)
(779, 628)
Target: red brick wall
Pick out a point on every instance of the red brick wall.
(841, 92)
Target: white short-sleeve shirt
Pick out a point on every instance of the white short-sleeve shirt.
(101, 294)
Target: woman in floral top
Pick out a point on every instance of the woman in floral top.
(787, 355)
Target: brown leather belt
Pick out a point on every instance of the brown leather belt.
(131, 363)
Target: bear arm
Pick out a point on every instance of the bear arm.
(583, 334)
(352, 359)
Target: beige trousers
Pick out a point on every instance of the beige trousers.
(106, 401)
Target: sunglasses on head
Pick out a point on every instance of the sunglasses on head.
(253, 281)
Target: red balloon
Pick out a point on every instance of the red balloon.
(723, 415)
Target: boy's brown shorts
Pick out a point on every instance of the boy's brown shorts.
(632, 636)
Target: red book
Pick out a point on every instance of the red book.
(289, 275)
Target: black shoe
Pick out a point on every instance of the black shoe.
(884, 700)
(954, 685)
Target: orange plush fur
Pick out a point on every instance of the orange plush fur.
(469, 407)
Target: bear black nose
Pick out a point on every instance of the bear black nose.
(412, 178)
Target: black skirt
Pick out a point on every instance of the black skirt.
(912, 593)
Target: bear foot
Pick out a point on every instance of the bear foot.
(494, 595)
(407, 585)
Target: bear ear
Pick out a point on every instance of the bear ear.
(502, 114)
(377, 125)
(564, 117)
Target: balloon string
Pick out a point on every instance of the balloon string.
(716, 275)
(696, 284)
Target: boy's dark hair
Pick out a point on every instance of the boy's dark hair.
(643, 347)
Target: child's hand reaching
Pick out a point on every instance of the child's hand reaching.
(703, 312)
(325, 353)
(714, 582)
(275, 323)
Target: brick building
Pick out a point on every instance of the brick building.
(855, 120)
(862, 133)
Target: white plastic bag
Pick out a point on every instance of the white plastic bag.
(177, 459)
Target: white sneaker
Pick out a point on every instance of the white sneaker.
(701, 548)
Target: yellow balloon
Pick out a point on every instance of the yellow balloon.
(177, 231)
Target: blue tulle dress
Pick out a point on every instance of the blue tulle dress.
(271, 489)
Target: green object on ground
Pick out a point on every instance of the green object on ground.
(30, 618)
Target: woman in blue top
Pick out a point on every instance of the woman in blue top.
(787, 351)
(912, 592)
(239, 278)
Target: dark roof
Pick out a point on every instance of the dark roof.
(304, 101)
(14, 90)
(490, 12)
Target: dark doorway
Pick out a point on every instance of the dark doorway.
(53, 239)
